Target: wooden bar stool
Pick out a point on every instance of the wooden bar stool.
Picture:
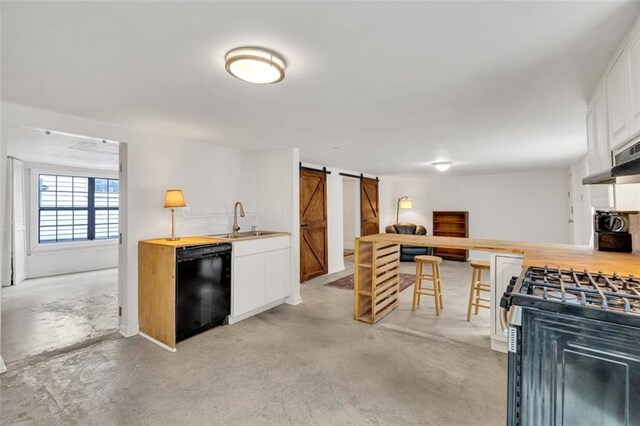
(436, 291)
(477, 286)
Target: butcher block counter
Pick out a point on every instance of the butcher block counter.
(377, 261)
(565, 256)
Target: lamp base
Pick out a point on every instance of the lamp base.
(173, 238)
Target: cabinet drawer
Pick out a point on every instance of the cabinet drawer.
(245, 248)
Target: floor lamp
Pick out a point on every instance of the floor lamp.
(403, 203)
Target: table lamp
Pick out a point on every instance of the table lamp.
(173, 199)
(403, 203)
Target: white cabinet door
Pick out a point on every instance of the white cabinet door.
(633, 59)
(618, 102)
(602, 145)
(503, 268)
(592, 141)
(248, 283)
(598, 133)
(277, 275)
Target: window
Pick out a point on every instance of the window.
(76, 208)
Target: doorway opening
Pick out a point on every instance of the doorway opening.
(580, 227)
(351, 213)
(60, 286)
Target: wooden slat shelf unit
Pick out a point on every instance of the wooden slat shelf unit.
(376, 280)
(451, 224)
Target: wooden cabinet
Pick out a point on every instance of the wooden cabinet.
(451, 224)
(260, 280)
(157, 292)
(618, 101)
(261, 275)
(376, 280)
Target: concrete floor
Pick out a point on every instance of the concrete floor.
(305, 364)
(45, 314)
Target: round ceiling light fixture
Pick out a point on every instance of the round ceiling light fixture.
(255, 65)
(442, 166)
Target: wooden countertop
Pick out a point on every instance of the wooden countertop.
(185, 241)
(502, 246)
(565, 256)
(199, 240)
(594, 261)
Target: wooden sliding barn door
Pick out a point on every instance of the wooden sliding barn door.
(313, 224)
(369, 209)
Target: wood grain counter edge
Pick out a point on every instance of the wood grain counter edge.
(563, 256)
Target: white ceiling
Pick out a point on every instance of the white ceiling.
(375, 87)
(34, 145)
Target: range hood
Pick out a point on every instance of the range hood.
(626, 170)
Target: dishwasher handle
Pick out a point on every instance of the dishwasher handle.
(199, 252)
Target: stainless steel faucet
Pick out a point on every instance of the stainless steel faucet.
(236, 228)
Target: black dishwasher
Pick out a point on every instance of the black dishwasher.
(203, 288)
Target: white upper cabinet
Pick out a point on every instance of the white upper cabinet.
(618, 100)
(633, 62)
(592, 140)
(598, 133)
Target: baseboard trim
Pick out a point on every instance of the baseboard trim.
(129, 331)
(293, 300)
(157, 342)
(499, 345)
(238, 318)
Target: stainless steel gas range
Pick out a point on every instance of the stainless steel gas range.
(574, 348)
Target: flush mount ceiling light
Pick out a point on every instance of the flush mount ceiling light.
(255, 65)
(442, 166)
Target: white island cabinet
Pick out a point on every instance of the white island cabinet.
(260, 275)
(503, 268)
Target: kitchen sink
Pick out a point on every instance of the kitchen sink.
(246, 234)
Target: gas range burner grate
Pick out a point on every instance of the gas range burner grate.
(594, 290)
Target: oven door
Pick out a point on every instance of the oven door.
(569, 370)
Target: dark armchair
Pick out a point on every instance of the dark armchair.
(407, 253)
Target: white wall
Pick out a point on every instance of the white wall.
(350, 211)
(528, 206)
(212, 179)
(627, 197)
(276, 184)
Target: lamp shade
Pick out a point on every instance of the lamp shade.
(406, 203)
(174, 198)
